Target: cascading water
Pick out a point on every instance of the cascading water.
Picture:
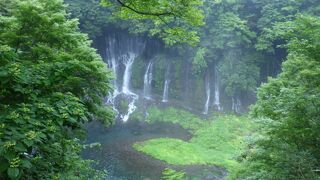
(123, 49)
(128, 61)
(217, 97)
(131, 97)
(147, 81)
(131, 107)
(216, 92)
(121, 55)
(165, 96)
(208, 92)
(112, 64)
(166, 91)
(236, 105)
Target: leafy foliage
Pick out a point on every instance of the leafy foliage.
(199, 61)
(228, 40)
(51, 83)
(240, 72)
(171, 20)
(93, 17)
(289, 146)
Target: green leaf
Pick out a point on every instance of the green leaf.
(13, 173)
(20, 147)
(28, 142)
(9, 155)
(3, 165)
(26, 163)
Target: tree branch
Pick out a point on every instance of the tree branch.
(143, 12)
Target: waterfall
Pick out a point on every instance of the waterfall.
(122, 49)
(131, 108)
(136, 78)
(112, 64)
(236, 105)
(111, 57)
(147, 81)
(165, 96)
(217, 97)
(217, 92)
(166, 91)
(233, 107)
(128, 61)
(131, 97)
(208, 92)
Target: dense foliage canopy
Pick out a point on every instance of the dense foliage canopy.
(51, 83)
(172, 20)
(289, 105)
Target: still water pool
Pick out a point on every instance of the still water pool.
(122, 162)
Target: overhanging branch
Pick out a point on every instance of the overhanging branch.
(143, 12)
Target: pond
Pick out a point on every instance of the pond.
(123, 162)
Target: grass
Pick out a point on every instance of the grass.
(170, 174)
(177, 116)
(173, 151)
(216, 141)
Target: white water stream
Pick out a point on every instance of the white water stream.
(147, 81)
(216, 102)
(125, 51)
(208, 92)
(165, 96)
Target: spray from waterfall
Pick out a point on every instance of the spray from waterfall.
(147, 81)
(165, 96)
(208, 92)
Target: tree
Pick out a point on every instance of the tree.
(228, 41)
(172, 20)
(289, 147)
(93, 17)
(277, 11)
(51, 83)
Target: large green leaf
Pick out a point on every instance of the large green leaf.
(13, 173)
(3, 165)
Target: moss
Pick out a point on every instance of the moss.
(138, 70)
(176, 77)
(137, 115)
(159, 73)
(217, 141)
(176, 116)
(123, 105)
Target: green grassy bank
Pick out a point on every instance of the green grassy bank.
(218, 140)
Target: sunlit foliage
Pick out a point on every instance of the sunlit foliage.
(171, 20)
